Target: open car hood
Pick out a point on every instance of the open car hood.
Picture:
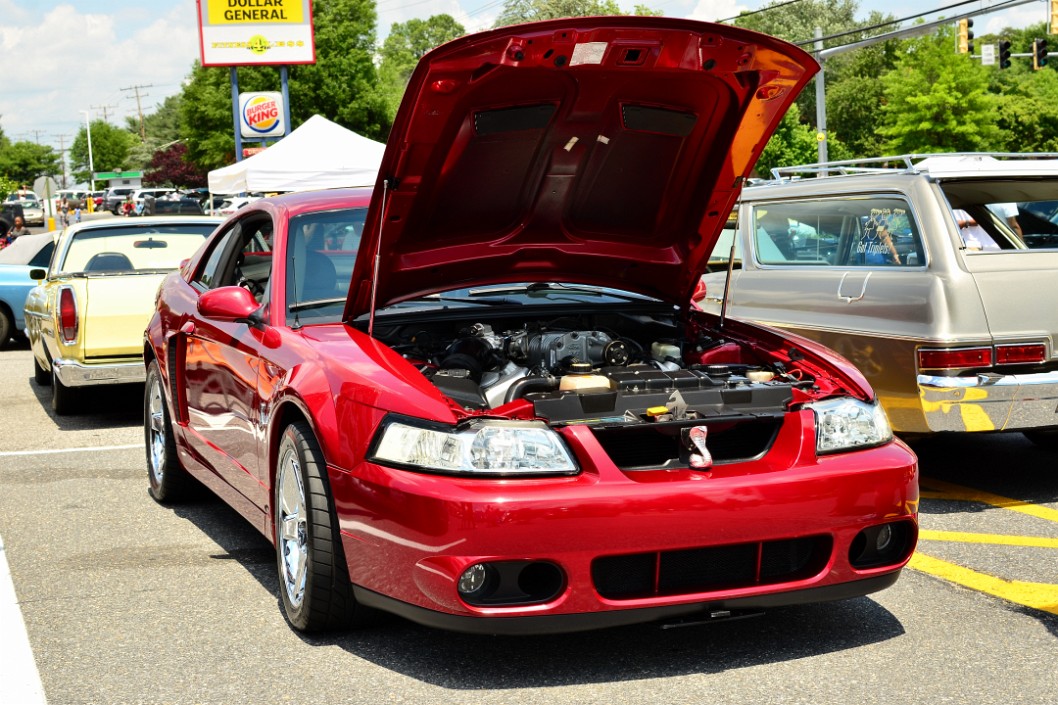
(596, 150)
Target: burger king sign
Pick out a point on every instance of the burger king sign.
(262, 115)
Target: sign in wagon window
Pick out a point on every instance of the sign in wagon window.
(866, 231)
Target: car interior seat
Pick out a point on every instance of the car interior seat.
(109, 262)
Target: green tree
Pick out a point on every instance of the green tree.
(519, 11)
(406, 44)
(937, 100)
(850, 89)
(794, 142)
(110, 149)
(25, 161)
(342, 86)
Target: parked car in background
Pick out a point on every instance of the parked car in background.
(85, 320)
(139, 194)
(32, 211)
(24, 254)
(483, 403)
(115, 198)
(232, 204)
(171, 203)
(917, 275)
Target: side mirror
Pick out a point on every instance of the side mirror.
(228, 303)
(38, 274)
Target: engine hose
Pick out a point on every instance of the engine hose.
(528, 384)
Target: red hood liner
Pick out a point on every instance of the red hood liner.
(602, 150)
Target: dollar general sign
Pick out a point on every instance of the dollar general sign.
(256, 32)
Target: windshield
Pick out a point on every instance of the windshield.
(132, 248)
(520, 294)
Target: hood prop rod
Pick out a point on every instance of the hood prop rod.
(727, 279)
(378, 258)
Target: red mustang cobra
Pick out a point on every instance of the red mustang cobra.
(477, 396)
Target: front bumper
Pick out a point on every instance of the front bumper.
(75, 373)
(408, 537)
(989, 402)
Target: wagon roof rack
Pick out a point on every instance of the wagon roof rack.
(913, 164)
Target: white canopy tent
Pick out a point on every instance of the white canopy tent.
(317, 155)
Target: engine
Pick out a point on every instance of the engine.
(583, 373)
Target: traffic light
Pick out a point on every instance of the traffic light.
(1039, 54)
(966, 36)
(1004, 54)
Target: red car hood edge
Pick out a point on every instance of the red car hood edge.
(598, 150)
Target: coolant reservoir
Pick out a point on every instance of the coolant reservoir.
(663, 352)
(581, 379)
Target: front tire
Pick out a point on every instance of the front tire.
(169, 482)
(314, 584)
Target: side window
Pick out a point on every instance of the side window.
(211, 273)
(242, 256)
(42, 258)
(321, 253)
(721, 254)
(871, 231)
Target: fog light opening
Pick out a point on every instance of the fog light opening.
(883, 538)
(881, 545)
(473, 580)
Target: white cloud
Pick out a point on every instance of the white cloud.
(712, 10)
(68, 61)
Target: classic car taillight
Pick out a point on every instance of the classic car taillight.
(67, 315)
(1020, 354)
(954, 358)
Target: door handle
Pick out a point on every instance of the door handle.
(863, 289)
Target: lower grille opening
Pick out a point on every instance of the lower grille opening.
(660, 445)
(709, 569)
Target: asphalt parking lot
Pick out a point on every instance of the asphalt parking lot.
(127, 601)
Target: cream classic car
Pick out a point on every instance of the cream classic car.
(936, 275)
(85, 319)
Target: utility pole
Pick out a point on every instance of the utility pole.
(103, 108)
(36, 135)
(139, 107)
(62, 156)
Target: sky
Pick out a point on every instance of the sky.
(62, 59)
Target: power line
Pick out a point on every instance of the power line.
(760, 10)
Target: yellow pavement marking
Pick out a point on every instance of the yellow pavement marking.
(1040, 596)
(996, 539)
(948, 490)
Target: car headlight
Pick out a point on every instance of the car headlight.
(487, 447)
(846, 423)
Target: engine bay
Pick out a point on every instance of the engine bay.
(602, 369)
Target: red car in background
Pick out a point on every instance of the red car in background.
(477, 396)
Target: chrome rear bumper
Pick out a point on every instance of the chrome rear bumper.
(74, 373)
(990, 402)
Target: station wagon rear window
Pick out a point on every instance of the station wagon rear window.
(873, 231)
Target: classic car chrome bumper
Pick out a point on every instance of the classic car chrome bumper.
(990, 402)
(74, 373)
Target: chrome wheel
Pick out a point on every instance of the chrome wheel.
(168, 481)
(157, 428)
(293, 529)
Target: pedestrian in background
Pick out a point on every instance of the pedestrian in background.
(17, 230)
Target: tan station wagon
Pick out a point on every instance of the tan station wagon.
(937, 275)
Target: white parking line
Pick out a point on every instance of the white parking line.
(19, 679)
(52, 451)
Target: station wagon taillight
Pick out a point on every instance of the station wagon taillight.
(1020, 354)
(954, 358)
(67, 316)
